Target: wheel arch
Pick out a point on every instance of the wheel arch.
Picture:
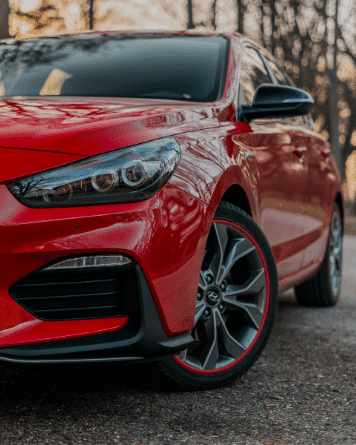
(236, 188)
(237, 196)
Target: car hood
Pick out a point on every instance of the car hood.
(89, 126)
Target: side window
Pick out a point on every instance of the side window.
(281, 77)
(253, 73)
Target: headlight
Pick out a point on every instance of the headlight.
(125, 175)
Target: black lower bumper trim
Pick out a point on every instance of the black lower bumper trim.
(139, 341)
(42, 361)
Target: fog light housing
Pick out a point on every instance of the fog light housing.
(83, 262)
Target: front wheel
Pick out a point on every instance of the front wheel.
(235, 307)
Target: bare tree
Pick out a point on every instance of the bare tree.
(334, 113)
(213, 14)
(4, 19)
(190, 23)
(240, 15)
(91, 14)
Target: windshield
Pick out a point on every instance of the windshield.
(115, 65)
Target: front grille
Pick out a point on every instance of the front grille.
(79, 294)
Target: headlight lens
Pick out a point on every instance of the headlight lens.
(125, 175)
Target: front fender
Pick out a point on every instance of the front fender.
(210, 164)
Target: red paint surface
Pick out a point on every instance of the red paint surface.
(89, 126)
(16, 163)
(35, 331)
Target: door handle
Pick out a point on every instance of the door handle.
(299, 151)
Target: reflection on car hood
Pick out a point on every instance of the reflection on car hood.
(88, 126)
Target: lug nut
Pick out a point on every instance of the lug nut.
(200, 296)
(221, 307)
(209, 279)
(223, 287)
(207, 312)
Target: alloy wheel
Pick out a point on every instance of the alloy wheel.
(232, 300)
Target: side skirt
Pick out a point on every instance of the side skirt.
(299, 277)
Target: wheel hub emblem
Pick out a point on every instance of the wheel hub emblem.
(212, 298)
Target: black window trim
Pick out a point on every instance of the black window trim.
(225, 64)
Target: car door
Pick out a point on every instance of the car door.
(280, 161)
(317, 159)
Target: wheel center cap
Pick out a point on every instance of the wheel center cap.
(212, 297)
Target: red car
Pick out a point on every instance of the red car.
(156, 191)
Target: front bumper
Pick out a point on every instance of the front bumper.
(140, 340)
(165, 235)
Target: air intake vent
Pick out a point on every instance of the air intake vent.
(79, 294)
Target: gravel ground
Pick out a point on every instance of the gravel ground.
(301, 391)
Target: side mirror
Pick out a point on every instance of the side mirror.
(277, 101)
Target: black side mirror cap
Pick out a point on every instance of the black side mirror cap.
(278, 101)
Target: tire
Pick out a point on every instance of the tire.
(231, 329)
(324, 288)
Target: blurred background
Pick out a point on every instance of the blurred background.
(313, 39)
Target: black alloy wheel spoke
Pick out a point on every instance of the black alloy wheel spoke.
(252, 311)
(227, 253)
(183, 354)
(252, 286)
(202, 282)
(216, 330)
(232, 346)
(199, 310)
(220, 241)
(212, 347)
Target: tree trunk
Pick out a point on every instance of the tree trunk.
(240, 16)
(91, 14)
(273, 25)
(334, 111)
(213, 14)
(4, 19)
(190, 24)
